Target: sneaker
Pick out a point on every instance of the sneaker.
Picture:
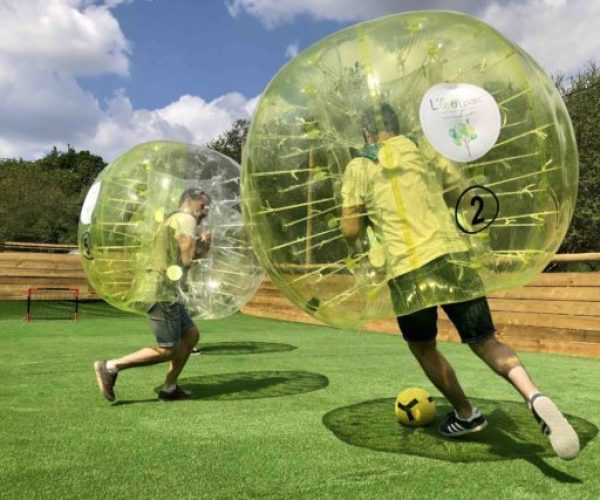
(454, 426)
(174, 395)
(196, 351)
(555, 426)
(106, 380)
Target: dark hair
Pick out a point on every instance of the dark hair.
(384, 119)
(194, 194)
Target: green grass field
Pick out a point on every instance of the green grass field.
(280, 410)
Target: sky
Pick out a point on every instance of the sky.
(105, 75)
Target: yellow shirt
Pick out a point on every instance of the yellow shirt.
(403, 196)
(154, 284)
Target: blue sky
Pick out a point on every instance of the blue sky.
(105, 75)
(179, 48)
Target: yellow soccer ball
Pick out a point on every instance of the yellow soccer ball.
(414, 407)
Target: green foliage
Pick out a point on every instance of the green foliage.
(231, 142)
(582, 94)
(41, 199)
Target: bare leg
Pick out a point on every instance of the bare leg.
(144, 357)
(440, 372)
(181, 354)
(504, 361)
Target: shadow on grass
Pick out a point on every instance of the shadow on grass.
(231, 348)
(253, 385)
(512, 433)
(246, 385)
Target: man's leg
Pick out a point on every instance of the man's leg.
(189, 338)
(504, 361)
(165, 321)
(474, 322)
(145, 357)
(419, 329)
(181, 354)
(107, 371)
(442, 375)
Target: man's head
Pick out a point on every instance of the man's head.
(379, 124)
(196, 202)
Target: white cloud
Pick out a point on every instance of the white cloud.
(45, 46)
(65, 35)
(275, 12)
(189, 119)
(292, 50)
(560, 35)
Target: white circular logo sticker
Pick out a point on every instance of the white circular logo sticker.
(460, 120)
(90, 202)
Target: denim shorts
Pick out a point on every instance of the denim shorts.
(168, 321)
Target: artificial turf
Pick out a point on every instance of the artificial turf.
(280, 410)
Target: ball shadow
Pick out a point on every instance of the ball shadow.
(233, 348)
(252, 385)
(512, 432)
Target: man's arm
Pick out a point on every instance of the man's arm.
(187, 247)
(202, 244)
(352, 221)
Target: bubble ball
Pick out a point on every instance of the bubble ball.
(129, 257)
(410, 161)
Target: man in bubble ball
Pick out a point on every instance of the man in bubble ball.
(425, 255)
(176, 244)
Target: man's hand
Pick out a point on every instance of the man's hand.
(352, 221)
(202, 244)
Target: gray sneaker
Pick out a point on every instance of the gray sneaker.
(106, 380)
(175, 395)
(555, 426)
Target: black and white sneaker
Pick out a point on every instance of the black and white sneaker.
(454, 426)
(555, 426)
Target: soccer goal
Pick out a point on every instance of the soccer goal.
(52, 303)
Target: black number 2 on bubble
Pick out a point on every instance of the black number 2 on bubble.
(479, 201)
(476, 199)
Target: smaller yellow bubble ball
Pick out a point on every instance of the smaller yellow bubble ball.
(129, 240)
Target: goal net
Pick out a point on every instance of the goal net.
(52, 303)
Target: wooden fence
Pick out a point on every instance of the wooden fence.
(20, 270)
(558, 312)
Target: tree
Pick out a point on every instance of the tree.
(41, 199)
(582, 94)
(231, 142)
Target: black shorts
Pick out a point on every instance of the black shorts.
(417, 290)
(472, 319)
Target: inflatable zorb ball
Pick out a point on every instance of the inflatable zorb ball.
(129, 256)
(439, 142)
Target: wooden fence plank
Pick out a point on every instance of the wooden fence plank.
(557, 313)
(579, 308)
(567, 293)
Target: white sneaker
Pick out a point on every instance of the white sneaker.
(555, 426)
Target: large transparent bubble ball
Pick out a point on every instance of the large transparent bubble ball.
(472, 193)
(120, 234)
